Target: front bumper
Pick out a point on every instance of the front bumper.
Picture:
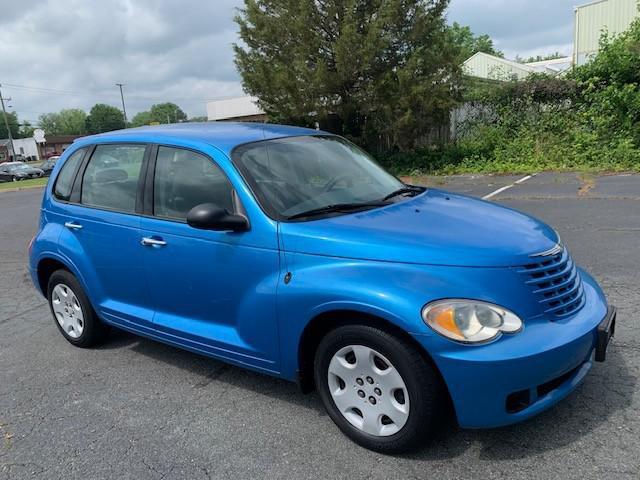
(523, 374)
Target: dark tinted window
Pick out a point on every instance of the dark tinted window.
(64, 182)
(111, 178)
(184, 179)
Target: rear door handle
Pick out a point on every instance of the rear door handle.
(73, 226)
(154, 242)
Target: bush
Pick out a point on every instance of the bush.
(588, 121)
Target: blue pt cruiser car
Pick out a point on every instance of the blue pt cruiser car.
(291, 252)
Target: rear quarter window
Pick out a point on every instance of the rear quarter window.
(64, 182)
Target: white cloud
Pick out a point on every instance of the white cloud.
(161, 50)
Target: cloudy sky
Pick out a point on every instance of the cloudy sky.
(58, 54)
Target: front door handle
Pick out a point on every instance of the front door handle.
(73, 226)
(153, 242)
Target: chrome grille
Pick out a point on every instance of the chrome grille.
(556, 283)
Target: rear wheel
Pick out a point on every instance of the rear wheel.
(72, 312)
(377, 388)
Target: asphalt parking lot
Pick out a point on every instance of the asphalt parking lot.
(138, 409)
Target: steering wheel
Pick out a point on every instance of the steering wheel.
(334, 181)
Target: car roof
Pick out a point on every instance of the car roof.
(223, 135)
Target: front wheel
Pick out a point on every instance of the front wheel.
(15, 179)
(377, 388)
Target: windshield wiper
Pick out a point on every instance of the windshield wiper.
(338, 207)
(404, 189)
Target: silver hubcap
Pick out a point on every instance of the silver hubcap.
(67, 310)
(368, 390)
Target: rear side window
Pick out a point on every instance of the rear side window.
(184, 179)
(64, 182)
(111, 177)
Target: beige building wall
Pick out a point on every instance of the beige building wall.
(591, 19)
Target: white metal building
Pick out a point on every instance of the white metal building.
(26, 147)
(591, 19)
(238, 108)
(483, 65)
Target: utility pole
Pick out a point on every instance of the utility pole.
(124, 110)
(6, 122)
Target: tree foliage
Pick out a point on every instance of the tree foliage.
(370, 70)
(540, 58)
(14, 126)
(70, 121)
(141, 119)
(104, 118)
(589, 120)
(26, 130)
(161, 113)
(470, 44)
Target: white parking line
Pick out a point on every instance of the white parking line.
(507, 187)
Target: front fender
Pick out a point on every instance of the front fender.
(395, 292)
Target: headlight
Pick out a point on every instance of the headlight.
(470, 321)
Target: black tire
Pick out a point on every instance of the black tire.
(15, 179)
(425, 390)
(94, 331)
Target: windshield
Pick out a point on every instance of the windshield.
(299, 174)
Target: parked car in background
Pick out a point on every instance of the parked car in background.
(289, 251)
(16, 171)
(47, 165)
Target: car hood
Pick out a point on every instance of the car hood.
(435, 228)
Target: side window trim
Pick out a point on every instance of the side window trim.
(85, 151)
(143, 179)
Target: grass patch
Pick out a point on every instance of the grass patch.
(33, 182)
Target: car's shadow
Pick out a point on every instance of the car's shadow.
(608, 388)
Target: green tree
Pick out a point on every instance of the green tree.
(470, 44)
(14, 126)
(167, 113)
(141, 118)
(365, 69)
(104, 118)
(50, 123)
(70, 121)
(540, 58)
(26, 130)
(161, 113)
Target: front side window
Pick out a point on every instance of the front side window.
(299, 174)
(111, 177)
(184, 179)
(64, 182)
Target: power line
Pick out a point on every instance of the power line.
(46, 90)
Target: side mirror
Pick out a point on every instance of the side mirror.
(208, 216)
